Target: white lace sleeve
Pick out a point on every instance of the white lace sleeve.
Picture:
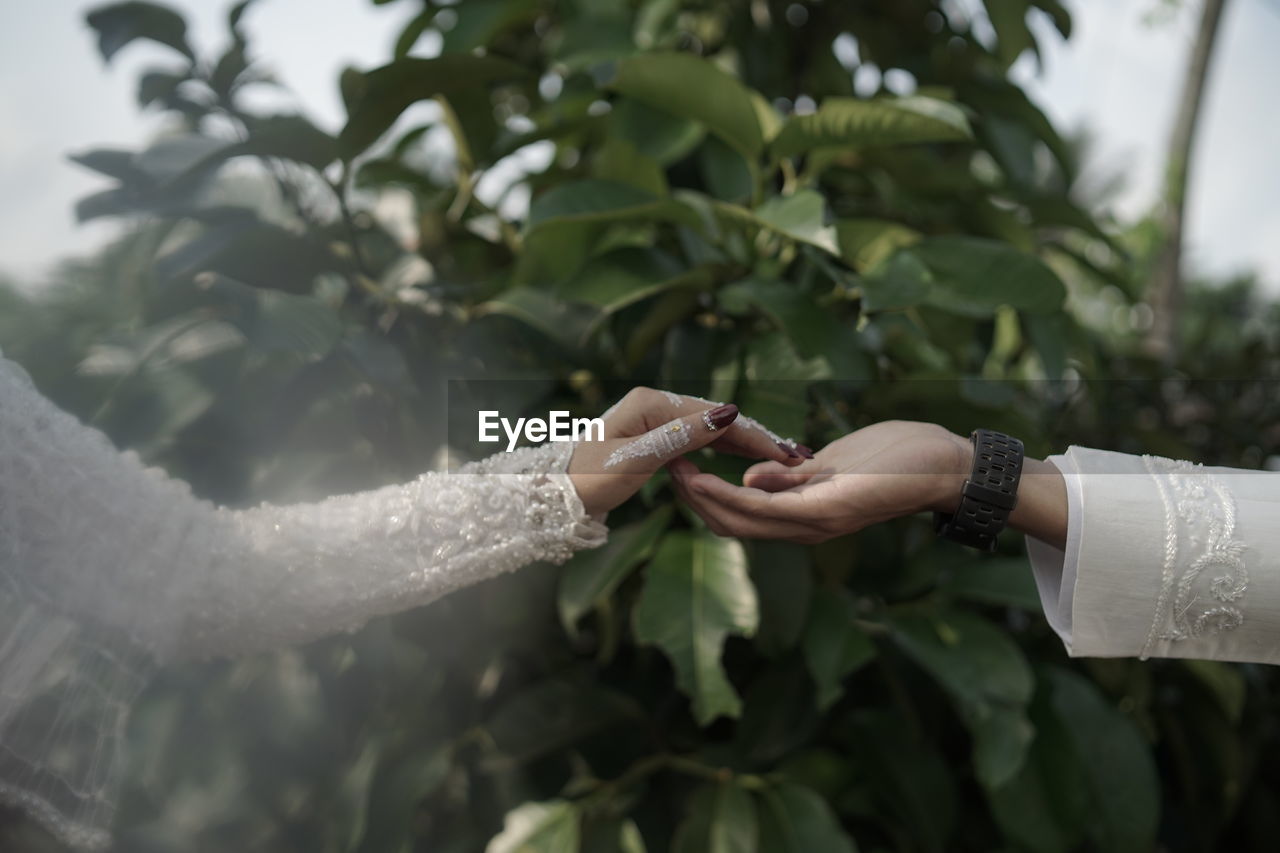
(107, 567)
(1164, 559)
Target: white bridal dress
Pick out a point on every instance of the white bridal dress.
(108, 569)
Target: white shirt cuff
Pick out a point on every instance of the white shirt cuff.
(1054, 569)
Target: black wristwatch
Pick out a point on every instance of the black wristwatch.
(988, 496)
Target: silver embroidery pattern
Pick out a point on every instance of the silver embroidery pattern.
(1200, 522)
(659, 441)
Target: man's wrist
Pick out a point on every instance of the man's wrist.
(1042, 504)
(955, 453)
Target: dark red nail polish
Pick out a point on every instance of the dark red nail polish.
(804, 451)
(788, 449)
(720, 417)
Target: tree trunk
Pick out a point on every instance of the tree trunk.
(1164, 291)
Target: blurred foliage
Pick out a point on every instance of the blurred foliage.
(717, 209)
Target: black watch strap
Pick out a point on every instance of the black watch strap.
(988, 496)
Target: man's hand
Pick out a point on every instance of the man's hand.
(883, 471)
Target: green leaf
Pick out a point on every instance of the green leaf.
(548, 827)
(767, 115)
(1121, 774)
(273, 321)
(479, 21)
(772, 358)
(667, 310)
(986, 673)
(1224, 682)
(1057, 13)
(621, 162)
(592, 576)
(227, 73)
(801, 217)
(696, 593)
(721, 819)
(909, 779)
(795, 819)
(413, 31)
(112, 162)
(994, 580)
(814, 330)
(563, 322)
(379, 172)
(381, 95)
(172, 157)
(599, 34)
(899, 281)
(629, 838)
(251, 251)
(159, 85)
(118, 24)
(590, 201)
(865, 243)
(974, 277)
(783, 577)
(617, 279)
(975, 661)
(1013, 36)
(853, 122)
(404, 777)
(611, 835)
(1049, 335)
(777, 391)
(690, 87)
(724, 172)
(289, 137)
(1000, 742)
(834, 646)
(554, 714)
(565, 222)
(658, 135)
(778, 715)
(234, 14)
(1047, 805)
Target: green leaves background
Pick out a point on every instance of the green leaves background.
(720, 213)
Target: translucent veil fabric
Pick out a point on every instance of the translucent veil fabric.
(64, 702)
(109, 569)
(66, 686)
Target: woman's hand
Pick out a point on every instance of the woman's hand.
(649, 428)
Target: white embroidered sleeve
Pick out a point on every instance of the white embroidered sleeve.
(1164, 559)
(107, 567)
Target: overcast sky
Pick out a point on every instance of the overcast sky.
(1119, 75)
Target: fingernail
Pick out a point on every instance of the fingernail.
(720, 417)
(788, 449)
(804, 451)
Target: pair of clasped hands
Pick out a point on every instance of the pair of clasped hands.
(883, 471)
(794, 494)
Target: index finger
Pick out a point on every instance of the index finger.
(644, 409)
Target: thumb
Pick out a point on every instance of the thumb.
(660, 445)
